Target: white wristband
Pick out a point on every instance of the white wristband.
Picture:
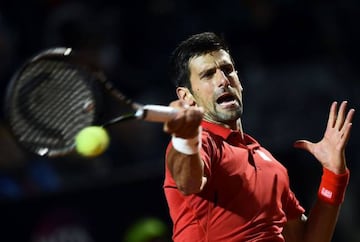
(187, 146)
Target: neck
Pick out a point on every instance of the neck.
(234, 125)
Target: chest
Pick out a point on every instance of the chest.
(244, 172)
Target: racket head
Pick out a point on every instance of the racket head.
(50, 99)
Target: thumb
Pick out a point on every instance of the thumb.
(303, 144)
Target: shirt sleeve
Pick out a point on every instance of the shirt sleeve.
(293, 209)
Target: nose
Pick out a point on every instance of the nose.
(223, 78)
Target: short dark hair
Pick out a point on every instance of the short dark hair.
(193, 46)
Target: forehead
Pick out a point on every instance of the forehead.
(209, 60)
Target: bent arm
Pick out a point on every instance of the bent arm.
(183, 159)
(318, 227)
(321, 222)
(187, 171)
(330, 152)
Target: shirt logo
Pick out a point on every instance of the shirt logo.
(326, 193)
(263, 155)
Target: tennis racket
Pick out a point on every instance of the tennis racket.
(55, 94)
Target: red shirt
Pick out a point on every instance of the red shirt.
(247, 196)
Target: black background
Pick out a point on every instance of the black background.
(294, 58)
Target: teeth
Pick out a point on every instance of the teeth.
(228, 103)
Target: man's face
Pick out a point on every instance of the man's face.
(216, 87)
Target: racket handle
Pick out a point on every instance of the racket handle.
(156, 113)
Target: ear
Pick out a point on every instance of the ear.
(185, 95)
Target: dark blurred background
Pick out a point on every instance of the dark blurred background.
(294, 57)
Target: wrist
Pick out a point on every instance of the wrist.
(333, 186)
(189, 146)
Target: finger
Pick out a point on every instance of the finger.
(348, 120)
(345, 137)
(303, 144)
(332, 115)
(340, 118)
(193, 118)
(176, 123)
(171, 126)
(186, 123)
(194, 115)
(347, 127)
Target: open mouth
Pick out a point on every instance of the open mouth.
(226, 99)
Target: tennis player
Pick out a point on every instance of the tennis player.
(220, 183)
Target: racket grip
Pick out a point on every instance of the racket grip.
(156, 113)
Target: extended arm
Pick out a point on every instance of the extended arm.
(184, 163)
(330, 152)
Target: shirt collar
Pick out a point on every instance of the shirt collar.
(217, 129)
(229, 134)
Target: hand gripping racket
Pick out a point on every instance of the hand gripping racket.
(55, 94)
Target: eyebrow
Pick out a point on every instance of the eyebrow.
(207, 69)
(220, 65)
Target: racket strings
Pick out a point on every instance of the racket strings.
(54, 101)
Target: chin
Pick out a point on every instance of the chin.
(229, 116)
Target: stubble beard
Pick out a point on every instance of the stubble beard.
(226, 116)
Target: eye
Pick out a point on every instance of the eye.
(209, 73)
(227, 69)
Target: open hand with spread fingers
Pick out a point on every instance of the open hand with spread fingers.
(330, 150)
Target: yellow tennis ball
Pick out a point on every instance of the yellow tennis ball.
(91, 141)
